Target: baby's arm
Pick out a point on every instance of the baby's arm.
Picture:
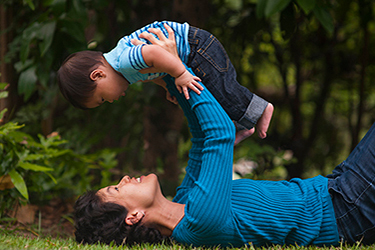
(160, 60)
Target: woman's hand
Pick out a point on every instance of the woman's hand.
(169, 44)
(183, 81)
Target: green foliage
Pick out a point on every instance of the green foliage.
(270, 163)
(320, 9)
(40, 43)
(58, 26)
(325, 18)
(311, 61)
(306, 5)
(44, 167)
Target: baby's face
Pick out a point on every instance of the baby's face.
(110, 86)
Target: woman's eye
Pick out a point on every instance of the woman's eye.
(116, 188)
(102, 99)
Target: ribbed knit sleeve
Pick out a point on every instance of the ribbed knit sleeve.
(195, 153)
(213, 137)
(220, 211)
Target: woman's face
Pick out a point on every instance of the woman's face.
(132, 193)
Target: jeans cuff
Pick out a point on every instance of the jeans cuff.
(253, 112)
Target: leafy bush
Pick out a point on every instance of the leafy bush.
(37, 170)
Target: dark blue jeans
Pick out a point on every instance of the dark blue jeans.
(210, 62)
(352, 188)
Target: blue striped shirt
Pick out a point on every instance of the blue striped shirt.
(127, 58)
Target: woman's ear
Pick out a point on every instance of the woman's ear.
(134, 217)
(97, 74)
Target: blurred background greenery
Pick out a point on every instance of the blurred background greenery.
(311, 58)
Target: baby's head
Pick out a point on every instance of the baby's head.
(74, 78)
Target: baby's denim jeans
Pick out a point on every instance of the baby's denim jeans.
(352, 188)
(210, 62)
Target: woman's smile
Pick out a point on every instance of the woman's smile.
(131, 191)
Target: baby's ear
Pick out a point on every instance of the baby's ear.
(96, 74)
(134, 217)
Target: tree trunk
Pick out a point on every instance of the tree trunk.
(362, 83)
(300, 144)
(162, 129)
(6, 69)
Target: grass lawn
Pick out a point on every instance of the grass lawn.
(13, 239)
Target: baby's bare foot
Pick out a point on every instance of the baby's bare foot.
(264, 121)
(243, 134)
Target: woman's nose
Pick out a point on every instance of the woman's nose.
(125, 179)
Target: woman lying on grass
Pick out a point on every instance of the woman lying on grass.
(211, 209)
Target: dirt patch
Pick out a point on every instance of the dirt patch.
(54, 219)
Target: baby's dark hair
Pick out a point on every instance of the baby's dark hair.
(97, 221)
(74, 79)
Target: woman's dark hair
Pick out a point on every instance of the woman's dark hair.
(98, 221)
(74, 79)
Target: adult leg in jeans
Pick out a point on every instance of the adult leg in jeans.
(352, 187)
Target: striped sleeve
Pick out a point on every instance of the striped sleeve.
(135, 58)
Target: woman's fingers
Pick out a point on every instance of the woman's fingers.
(156, 37)
(149, 37)
(137, 42)
(170, 32)
(158, 33)
(160, 36)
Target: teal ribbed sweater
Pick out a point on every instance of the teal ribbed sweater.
(226, 212)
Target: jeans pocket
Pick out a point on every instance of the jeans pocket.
(351, 185)
(354, 202)
(213, 51)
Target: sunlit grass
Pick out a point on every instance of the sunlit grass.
(12, 240)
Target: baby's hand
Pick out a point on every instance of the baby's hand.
(187, 80)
